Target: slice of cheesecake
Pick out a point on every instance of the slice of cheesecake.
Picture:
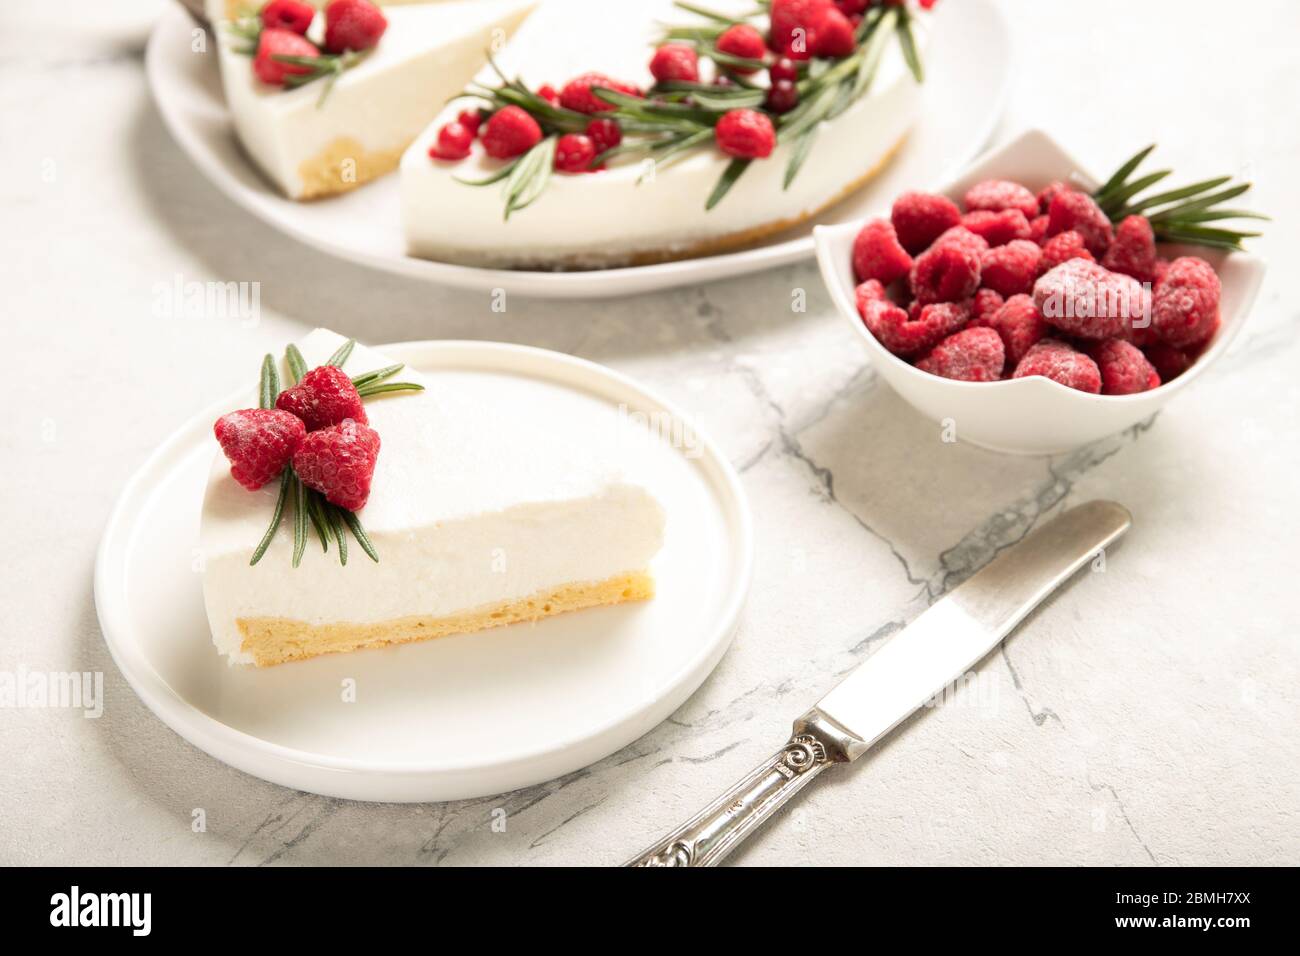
(309, 147)
(490, 504)
(631, 214)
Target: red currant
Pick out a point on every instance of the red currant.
(782, 97)
(783, 69)
(454, 140)
(574, 153)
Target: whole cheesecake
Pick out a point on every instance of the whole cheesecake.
(632, 212)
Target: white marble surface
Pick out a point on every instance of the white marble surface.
(1147, 714)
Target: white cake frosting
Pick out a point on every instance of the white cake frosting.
(603, 218)
(375, 108)
(482, 493)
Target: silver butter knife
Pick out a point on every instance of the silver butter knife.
(940, 646)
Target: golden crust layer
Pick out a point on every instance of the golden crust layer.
(275, 640)
(344, 165)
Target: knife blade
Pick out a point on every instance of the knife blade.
(941, 645)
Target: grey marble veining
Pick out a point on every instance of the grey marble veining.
(1146, 714)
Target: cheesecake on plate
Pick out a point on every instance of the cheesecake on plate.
(487, 507)
(313, 142)
(633, 211)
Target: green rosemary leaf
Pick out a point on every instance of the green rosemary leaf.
(1159, 199)
(336, 528)
(380, 388)
(297, 364)
(712, 31)
(269, 384)
(1212, 215)
(711, 52)
(729, 100)
(667, 154)
(873, 51)
(734, 170)
(1119, 196)
(378, 375)
(358, 532)
(817, 110)
(1122, 174)
(285, 481)
(341, 355)
(1195, 240)
(530, 177)
(800, 152)
(299, 520)
(1201, 203)
(705, 12)
(316, 513)
(908, 42)
(496, 177)
(1205, 232)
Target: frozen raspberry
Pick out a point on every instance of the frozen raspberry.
(1054, 359)
(675, 63)
(782, 96)
(1168, 361)
(963, 238)
(549, 93)
(742, 40)
(877, 254)
(471, 120)
(745, 134)
(454, 141)
(868, 291)
(852, 8)
(971, 355)
(1048, 193)
(352, 25)
(1201, 344)
(833, 35)
(292, 15)
(1038, 229)
(1019, 325)
(1077, 211)
(1186, 303)
(793, 26)
(275, 42)
(1083, 299)
(339, 462)
(783, 69)
(1124, 369)
(1133, 251)
(997, 228)
(1011, 269)
(1161, 270)
(946, 272)
(920, 218)
(324, 397)
(259, 442)
(510, 132)
(983, 306)
(905, 333)
(577, 94)
(996, 195)
(1063, 247)
(574, 153)
(605, 134)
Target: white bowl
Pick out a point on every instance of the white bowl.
(1030, 416)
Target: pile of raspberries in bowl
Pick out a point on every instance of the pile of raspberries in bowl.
(1012, 284)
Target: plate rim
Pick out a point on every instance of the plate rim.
(228, 744)
(587, 284)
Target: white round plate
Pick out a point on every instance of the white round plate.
(968, 74)
(457, 717)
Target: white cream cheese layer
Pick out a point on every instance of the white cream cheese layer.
(376, 108)
(604, 218)
(484, 491)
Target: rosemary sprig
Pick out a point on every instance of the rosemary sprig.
(269, 385)
(376, 388)
(297, 364)
(354, 525)
(286, 479)
(329, 66)
(299, 517)
(1176, 215)
(530, 175)
(342, 353)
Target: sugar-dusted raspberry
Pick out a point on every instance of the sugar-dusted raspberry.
(1020, 325)
(272, 43)
(1083, 299)
(877, 254)
(996, 195)
(963, 238)
(997, 228)
(742, 40)
(833, 35)
(907, 334)
(1063, 247)
(745, 134)
(339, 462)
(1011, 269)
(946, 272)
(1048, 193)
(920, 218)
(1038, 229)
(1133, 251)
(971, 355)
(577, 94)
(1077, 211)
(1054, 359)
(353, 25)
(259, 442)
(984, 305)
(605, 134)
(294, 15)
(1124, 369)
(510, 131)
(793, 26)
(1186, 303)
(454, 141)
(675, 63)
(1168, 361)
(324, 397)
(574, 153)
(869, 291)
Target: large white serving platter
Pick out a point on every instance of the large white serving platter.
(968, 74)
(456, 717)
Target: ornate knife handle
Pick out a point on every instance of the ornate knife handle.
(713, 832)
